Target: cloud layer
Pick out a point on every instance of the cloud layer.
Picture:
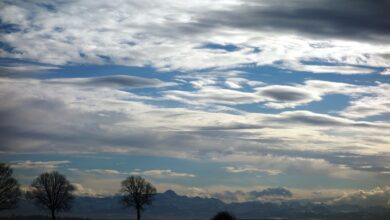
(351, 37)
(272, 91)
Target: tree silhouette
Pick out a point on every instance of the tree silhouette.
(9, 188)
(223, 216)
(52, 191)
(137, 193)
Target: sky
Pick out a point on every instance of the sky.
(207, 97)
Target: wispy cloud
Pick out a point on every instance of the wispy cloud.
(15, 69)
(162, 174)
(251, 169)
(41, 165)
(115, 81)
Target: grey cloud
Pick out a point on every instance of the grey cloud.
(351, 19)
(39, 122)
(310, 118)
(41, 117)
(113, 81)
(272, 96)
(19, 70)
(286, 93)
(166, 35)
(231, 126)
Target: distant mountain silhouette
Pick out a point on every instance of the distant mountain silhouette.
(169, 205)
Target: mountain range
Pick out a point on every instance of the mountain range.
(169, 205)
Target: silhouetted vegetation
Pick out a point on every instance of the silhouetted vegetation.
(9, 188)
(39, 217)
(137, 193)
(223, 216)
(52, 191)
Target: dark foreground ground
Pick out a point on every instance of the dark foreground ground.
(40, 217)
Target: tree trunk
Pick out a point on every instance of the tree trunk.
(53, 215)
(138, 214)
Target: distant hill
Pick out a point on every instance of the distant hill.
(169, 205)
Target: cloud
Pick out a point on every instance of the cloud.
(284, 93)
(362, 21)
(272, 192)
(80, 190)
(379, 196)
(251, 169)
(216, 111)
(306, 117)
(266, 195)
(286, 96)
(340, 69)
(231, 126)
(104, 171)
(272, 96)
(386, 71)
(40, 165)
(162, 174)
(377, 103)
(18, 69)
(176, 36)
(290, 165)
(290, 96)
(116, 81)
(239, 83)
(109, 120)
(213, 95)
(97, 171)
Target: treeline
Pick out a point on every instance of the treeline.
(53, 192)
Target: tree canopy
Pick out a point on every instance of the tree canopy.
(9, 188)
(137, 193)
(52, 191)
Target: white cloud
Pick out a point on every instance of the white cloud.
(386, 71)
(97, 171)
(41, 165)
(163, 174)
(169, 35)
(104, 171)
(86, 191)
(377, 103)
(291, 165)
(379, 196)
(251, 169)
(106, 119)
(272, 96)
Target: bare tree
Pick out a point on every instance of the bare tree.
(52, 191)
(9, 188)
(137, 193)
